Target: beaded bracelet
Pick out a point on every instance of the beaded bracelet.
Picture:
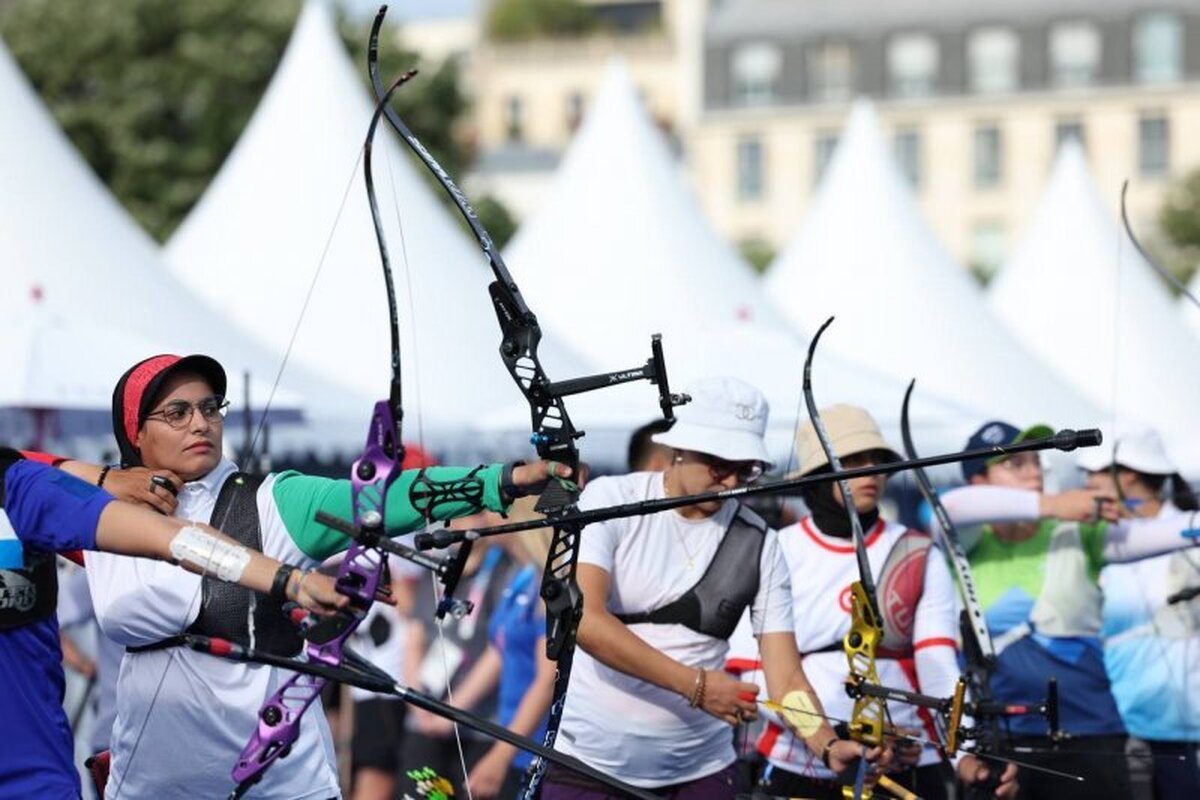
(103, 474)
(697, 696)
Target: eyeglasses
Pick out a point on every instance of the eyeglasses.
(178, 413)
(720, 469)
(1020, 462)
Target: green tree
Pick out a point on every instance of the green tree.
(155, 93)
(520, 20)
(1179, 219)
(758, 253)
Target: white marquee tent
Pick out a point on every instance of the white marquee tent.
(864, 254)
(1076, 292)
(619, 249)
(86, 294)
(274, 214)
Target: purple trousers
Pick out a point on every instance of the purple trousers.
(562, 785)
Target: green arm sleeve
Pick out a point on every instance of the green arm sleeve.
(1094, 534)
(299, 497)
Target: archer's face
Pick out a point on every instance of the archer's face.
(866, 490)
(192, 450)
(1020, 471)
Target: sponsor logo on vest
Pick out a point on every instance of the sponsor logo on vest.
(17, 593)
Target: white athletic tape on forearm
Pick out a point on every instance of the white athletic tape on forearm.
(210, 554)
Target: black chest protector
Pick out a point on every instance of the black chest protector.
(715, 605)
(226, 609)
(28, 593)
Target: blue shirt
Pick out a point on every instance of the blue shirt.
(49, 511)
(516, 627)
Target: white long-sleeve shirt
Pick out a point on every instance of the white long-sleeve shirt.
(183, 717)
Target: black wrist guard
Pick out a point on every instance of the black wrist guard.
(280, 584)
(509, 491)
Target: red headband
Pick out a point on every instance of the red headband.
(135, 387)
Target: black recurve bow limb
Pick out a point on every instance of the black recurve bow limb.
(553, 434)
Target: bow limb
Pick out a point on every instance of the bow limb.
(553, 432)
(361, 571)
(355, 671)
(870, 716)
(977, 641)
(1166, 274)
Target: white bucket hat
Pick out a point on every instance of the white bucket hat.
(1137, 447)
(726, 418)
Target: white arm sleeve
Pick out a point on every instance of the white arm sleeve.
(1135, 539)
(975, 505)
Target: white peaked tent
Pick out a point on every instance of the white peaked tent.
(273, 214)
(619, 249)
(902, 304)
(68, 251)
(1077, 293)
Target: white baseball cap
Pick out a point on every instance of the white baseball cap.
(1137, 447)
(726, 418)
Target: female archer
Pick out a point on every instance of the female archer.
(167, 416)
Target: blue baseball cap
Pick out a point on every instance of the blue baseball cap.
(998, 434)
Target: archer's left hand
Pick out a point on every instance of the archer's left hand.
(974, 770)
(532, 478)
(316, 592)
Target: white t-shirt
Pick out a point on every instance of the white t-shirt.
(182, 738)
(621, 724)
(823, 567)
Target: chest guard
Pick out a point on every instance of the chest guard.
(715, 604)
(226, 609)
(900, 587)
(28, 593)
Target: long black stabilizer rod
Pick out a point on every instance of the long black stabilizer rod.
(365, 675)
(1064, 440)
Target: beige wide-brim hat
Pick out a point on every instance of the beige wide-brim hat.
(851, 430)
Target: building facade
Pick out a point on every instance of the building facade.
(975, 97)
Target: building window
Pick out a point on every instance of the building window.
(906, 145)
(574, 110)
(1154, 146)
(1074, 54)
(831, 71)
(993, 54)
(1067, 130)
(989, 156)
(750, 168)
(988, 244)
(756, 71)
(1158, 47)
(824, 146)
(514, 119)
(912, 64)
